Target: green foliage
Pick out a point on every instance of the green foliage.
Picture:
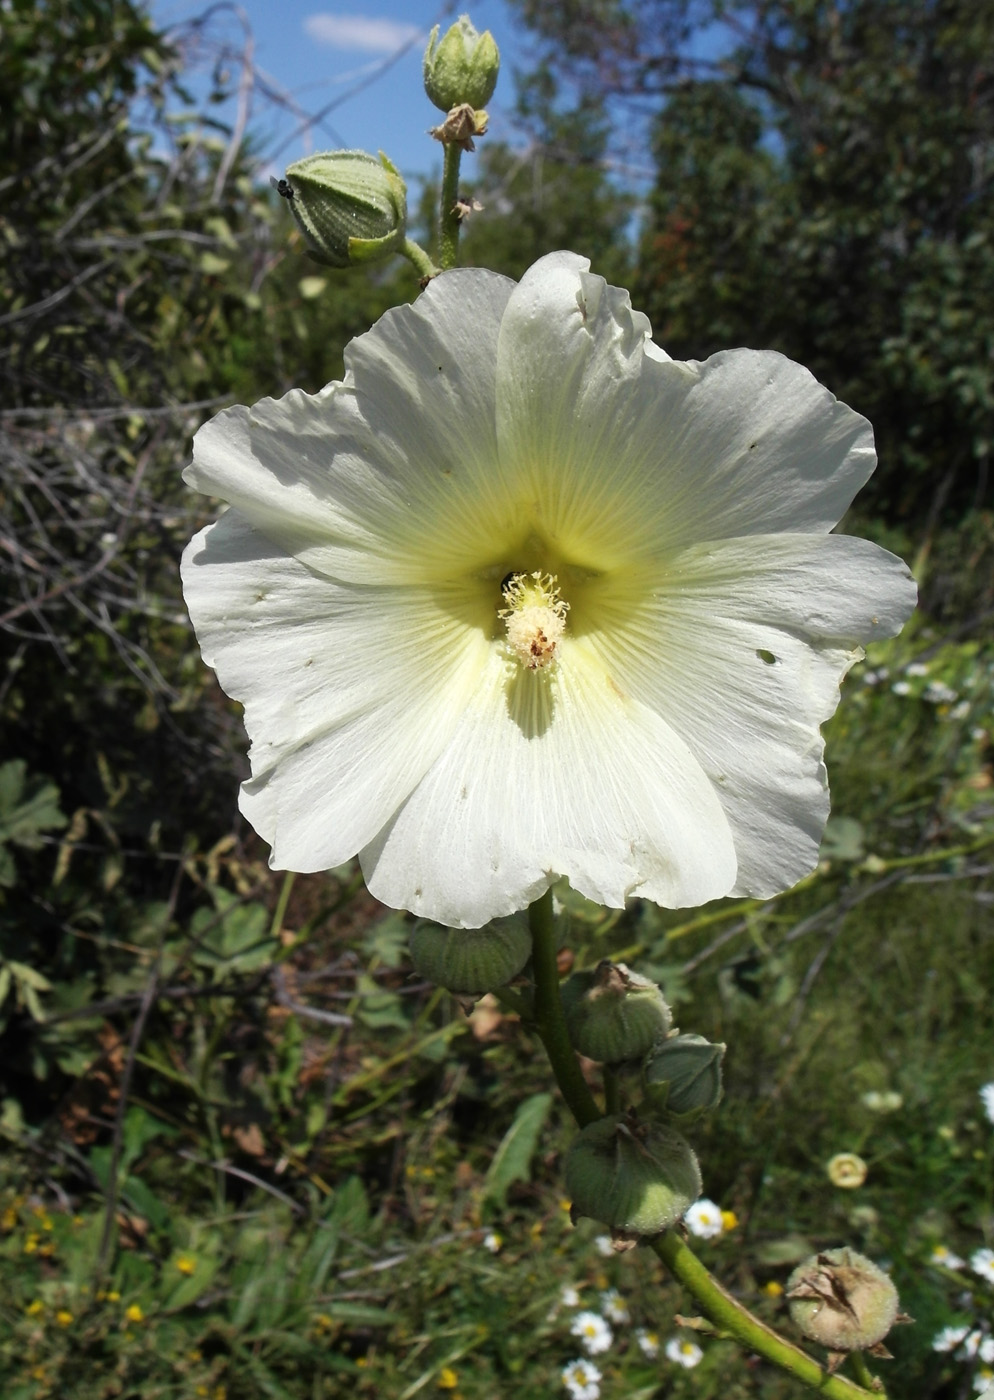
(28, 807)
(245, 1152)
(512, 1159)
(823, 188)
(555, 193)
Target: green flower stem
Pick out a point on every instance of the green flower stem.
(415, 254)
(550, 1021)
(724, 1311)
(448, 225)
(731, 1317)
(865, 1376)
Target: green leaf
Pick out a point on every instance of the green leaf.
(512, 1160)
(27, 808)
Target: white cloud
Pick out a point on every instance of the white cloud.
(360, 32)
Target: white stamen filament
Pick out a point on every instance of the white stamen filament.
(535, 618)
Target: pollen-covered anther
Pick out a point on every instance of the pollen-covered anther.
(535, 618)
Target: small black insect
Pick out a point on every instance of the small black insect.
(282, 187)
(507, 580)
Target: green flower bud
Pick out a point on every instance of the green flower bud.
(844, 1301)
(462, 68)
(351, 206)
(471, 960)
(635, 1176)
(612, 1014)
(682, 1077)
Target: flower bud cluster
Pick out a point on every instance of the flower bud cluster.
(634, 1171)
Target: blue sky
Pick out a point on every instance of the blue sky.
(351, 55)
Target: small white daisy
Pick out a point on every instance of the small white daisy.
(986, 1350)
(971, 1345)
(901, 688)
(961, 710)
(882, 1101)
(684, 1352)
(703, 1219)
(594, 1333)
(938, 694)
(581, 1380)
(604, 1246)
(569, 1296)
(613, 1307)
(983, 1383)
(917, 668)
(948, 1338)
(982, 1263)
(987, 1095)
(492, 1241)
(945, 1258)
(648, 1342)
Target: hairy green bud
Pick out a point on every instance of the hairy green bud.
(471, 961)
(351, 207)
(612, 1014)
(638, 1177)
(462, 67)
(682, 1077)
(844, 1301)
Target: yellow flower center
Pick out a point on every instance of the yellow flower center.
(534, 618)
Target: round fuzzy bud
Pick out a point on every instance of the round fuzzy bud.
(461, 68)
(682, 1076)
(612, 1014)
(471, 960)
(842, 1300)
(635, 1176)
(351, 207)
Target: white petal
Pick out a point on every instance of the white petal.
(547, 777)
(368, 479)
(620, 452)
(350, 692)
(740, 646)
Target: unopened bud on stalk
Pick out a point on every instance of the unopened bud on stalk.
(612, 1014)
(462, 67)
(474, 960)
(636, 1176)
(351, 206)
(682, 1077)
(844, 1301)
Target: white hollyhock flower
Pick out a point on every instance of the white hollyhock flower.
(524, 598)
